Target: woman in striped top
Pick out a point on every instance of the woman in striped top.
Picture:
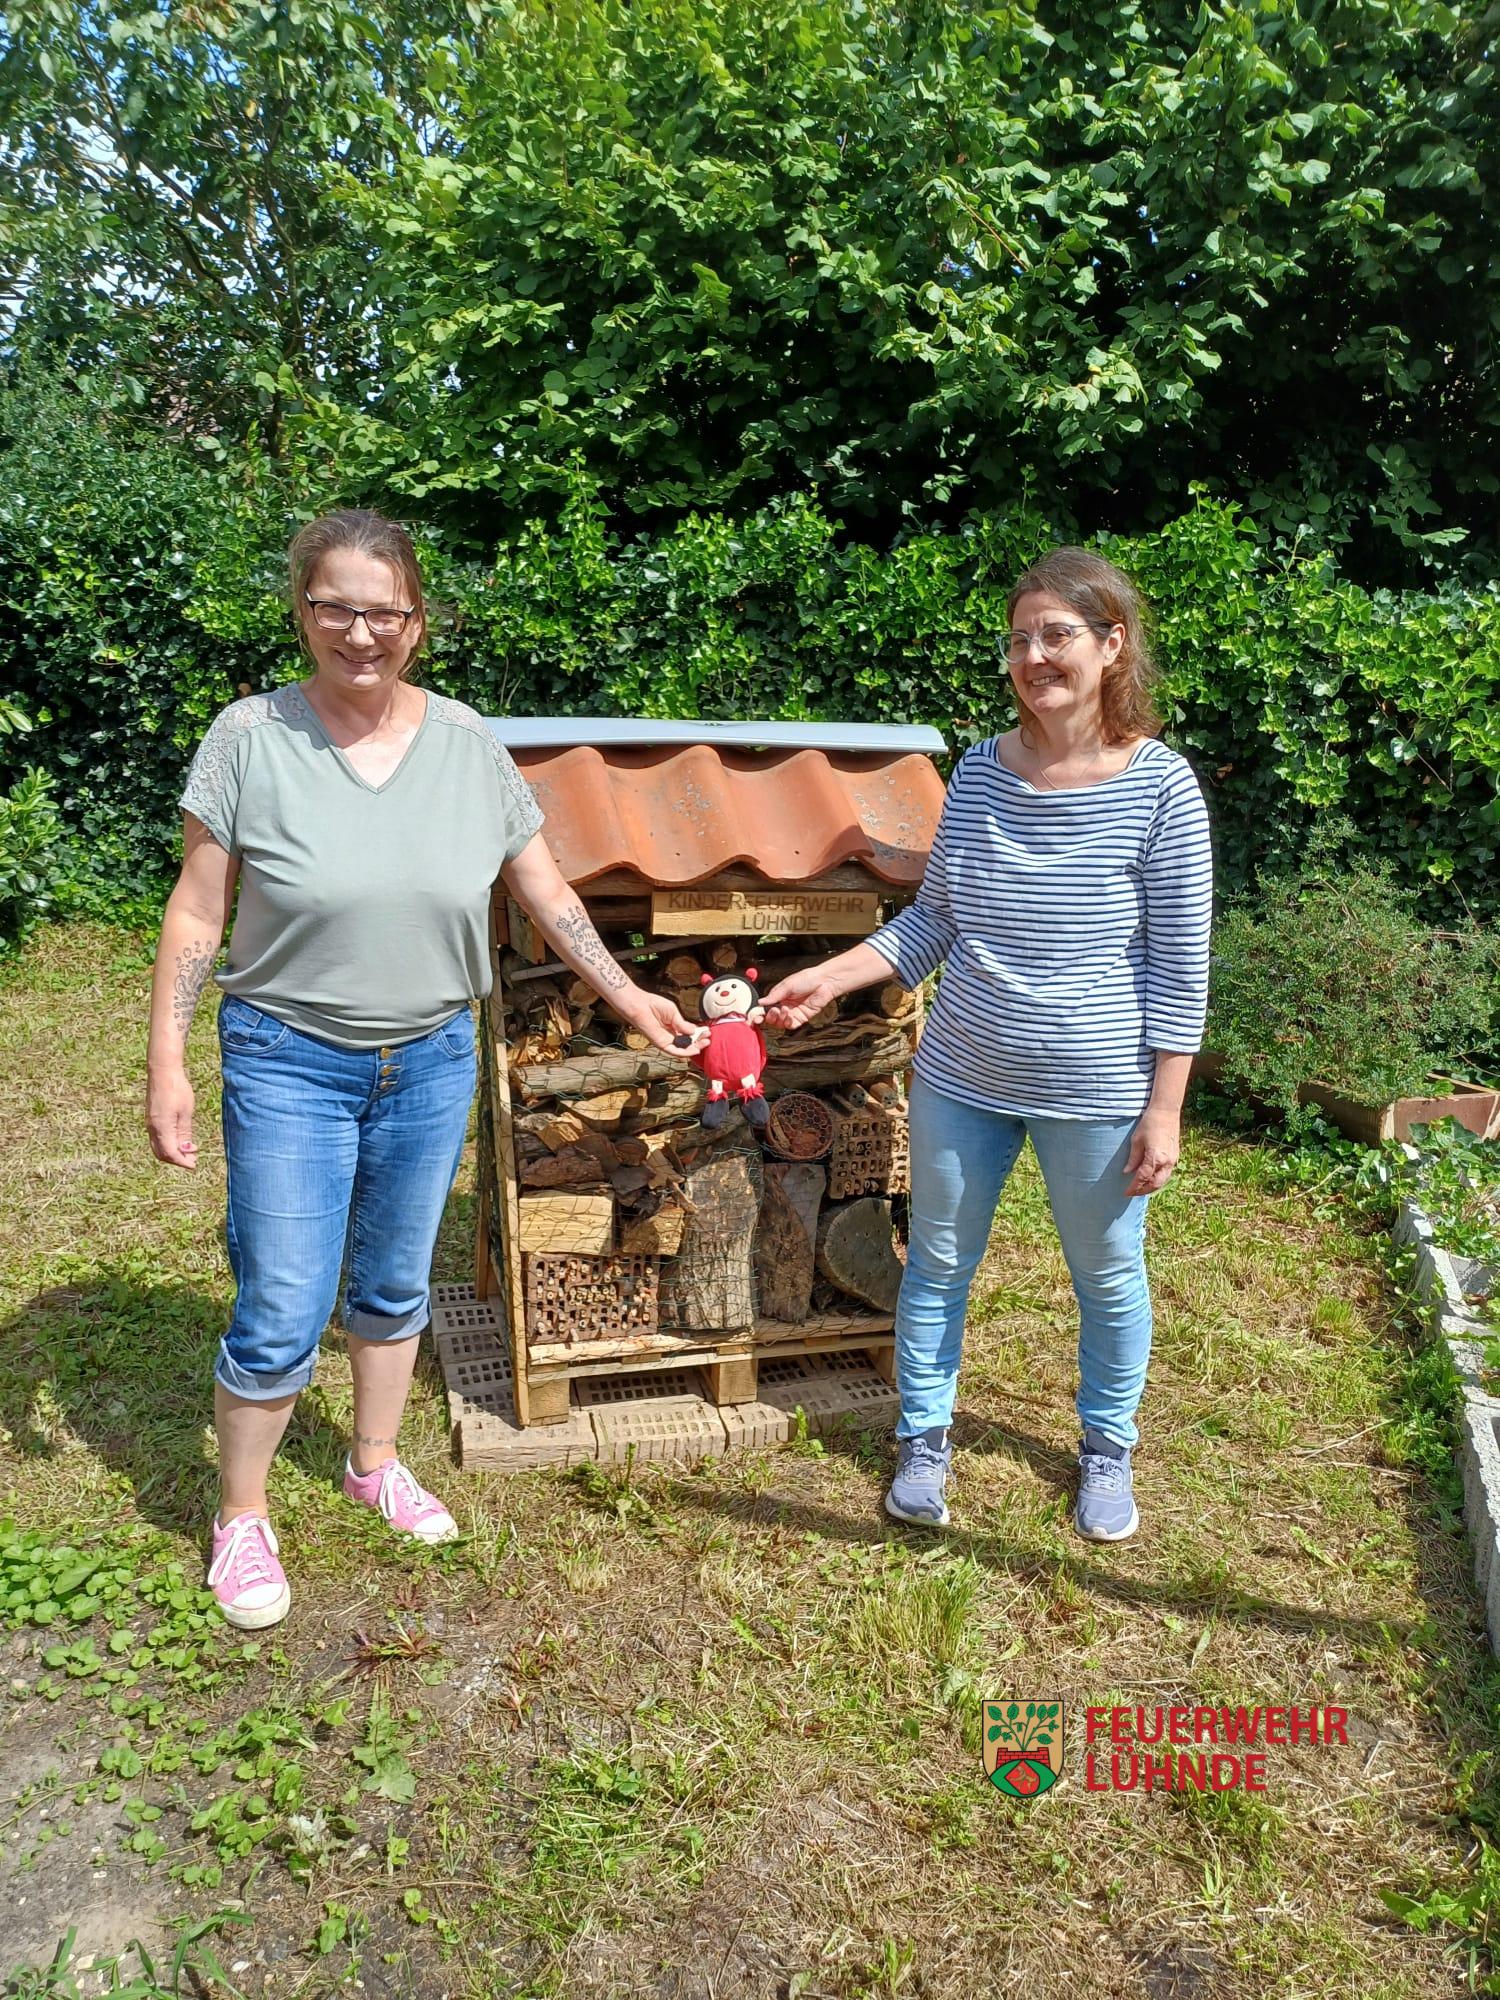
(1067, 898)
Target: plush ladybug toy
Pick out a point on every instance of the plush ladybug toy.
(734, 1053)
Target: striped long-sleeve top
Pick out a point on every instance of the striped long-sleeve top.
(1073, 927)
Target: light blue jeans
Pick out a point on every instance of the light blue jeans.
(337, 1158)
(961, 1157)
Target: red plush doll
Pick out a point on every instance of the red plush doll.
(734, 1053)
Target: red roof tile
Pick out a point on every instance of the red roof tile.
(678, 816)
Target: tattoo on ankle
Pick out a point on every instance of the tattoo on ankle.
(361, 1438)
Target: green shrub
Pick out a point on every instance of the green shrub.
(142, 587)
(33, 855)
(1330, 976)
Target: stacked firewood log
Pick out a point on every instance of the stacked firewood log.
(613, 1164)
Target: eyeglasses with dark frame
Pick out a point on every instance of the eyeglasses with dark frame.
(1055, 638)
(385, 621)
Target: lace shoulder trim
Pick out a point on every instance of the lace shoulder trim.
(518, 793)
(214, 761)
(459, 715)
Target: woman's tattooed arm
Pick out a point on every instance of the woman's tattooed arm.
(194, 963)
(580, 942)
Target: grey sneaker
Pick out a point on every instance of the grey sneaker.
(916, 1492)
(1106, 1510)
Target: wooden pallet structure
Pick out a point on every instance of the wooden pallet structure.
(655, 1414)
(641, 1282)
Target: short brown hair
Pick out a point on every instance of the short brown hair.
(370, 534)
(1102, 596)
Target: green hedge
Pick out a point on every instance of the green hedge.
(141, 589)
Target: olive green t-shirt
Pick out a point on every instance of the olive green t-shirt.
(363, 912)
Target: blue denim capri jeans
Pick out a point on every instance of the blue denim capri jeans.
(339, 1160)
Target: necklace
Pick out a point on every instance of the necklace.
(1065, 788)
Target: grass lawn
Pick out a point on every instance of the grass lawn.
(710, 1732)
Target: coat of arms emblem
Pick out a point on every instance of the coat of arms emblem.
(1023, 1746)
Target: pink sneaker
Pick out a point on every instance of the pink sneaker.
(404, 1503)
(245, 1573)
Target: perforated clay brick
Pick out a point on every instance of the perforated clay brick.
(493, 1441)
(480, 1346)
(455, 1317)
(662, 1416)
(749, 1426)
(649, 1385)
(827, 1394)
(576, 1298)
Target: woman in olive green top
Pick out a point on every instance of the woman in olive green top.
(363, 821)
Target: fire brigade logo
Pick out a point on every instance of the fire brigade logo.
(1023, 1746)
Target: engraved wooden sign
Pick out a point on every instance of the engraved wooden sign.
(770, 913)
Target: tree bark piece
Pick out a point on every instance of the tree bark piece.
(656, 1235)
(785, 1239)
(710, 1283)
(793, 1068)
(667, 1103)
(600, 1068)
(855, 1251)
(569, 1168)
(647, 1148)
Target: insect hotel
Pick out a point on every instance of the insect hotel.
(649, 1280)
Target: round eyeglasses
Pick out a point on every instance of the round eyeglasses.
(1052, 638)
(384, 622)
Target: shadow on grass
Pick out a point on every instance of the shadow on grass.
(126, 1366)
(1087, 1567)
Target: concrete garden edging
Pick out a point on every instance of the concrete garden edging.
(1442, 1280)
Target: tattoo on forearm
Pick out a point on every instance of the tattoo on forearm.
(194, 963)
(595, 962)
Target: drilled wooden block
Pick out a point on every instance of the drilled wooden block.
(589, 1298)
(871, 1155)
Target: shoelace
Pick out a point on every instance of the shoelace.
(247, 1552)
(1099, 1470)
(398, 1482)
(921, 1458)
